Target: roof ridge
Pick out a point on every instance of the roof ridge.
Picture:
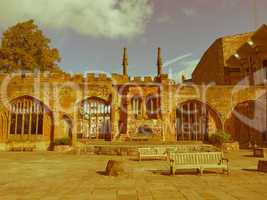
(238, 35)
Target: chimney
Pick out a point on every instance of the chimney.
(125, 62)
(159, 62)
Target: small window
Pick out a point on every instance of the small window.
(137, 105)
(152, 106)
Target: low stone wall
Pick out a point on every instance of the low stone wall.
(63, 148)
(132, 150)
(24, 146)
(230, 147)
(3, 147)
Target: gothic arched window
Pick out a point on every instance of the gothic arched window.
(27, 116)
(137, 105)
(152, 106)
(95, 114)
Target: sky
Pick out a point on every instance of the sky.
(91, 34)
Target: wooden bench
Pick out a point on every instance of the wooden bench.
(199, 161)
(152, 153)
(163, 152)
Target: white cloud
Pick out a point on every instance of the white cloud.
(177, 59)
(189, 12)
(100, 18)
(163, 19)
(184, 68)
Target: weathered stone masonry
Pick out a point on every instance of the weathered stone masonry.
(62, 95)
(42, 108)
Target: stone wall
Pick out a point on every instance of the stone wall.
(53, 89)
(210, 68)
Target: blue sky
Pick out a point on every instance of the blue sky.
(91, 34)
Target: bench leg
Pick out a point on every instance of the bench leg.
(172, 170)
(227, 171)
(201, 170)
(139, 157)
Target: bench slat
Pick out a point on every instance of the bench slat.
(198, 160)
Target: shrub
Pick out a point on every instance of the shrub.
(220, 137)
(62, 141)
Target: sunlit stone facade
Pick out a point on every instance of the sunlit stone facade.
(40, 108)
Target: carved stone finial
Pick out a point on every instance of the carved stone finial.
(125, 62)
(159, 62)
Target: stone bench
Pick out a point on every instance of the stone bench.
(199, 161)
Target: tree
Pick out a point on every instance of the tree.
(25, 47)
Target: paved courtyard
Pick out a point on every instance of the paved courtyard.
(61, 176)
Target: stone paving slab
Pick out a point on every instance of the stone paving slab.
(58, 176)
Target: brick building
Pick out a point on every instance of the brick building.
(232, 58)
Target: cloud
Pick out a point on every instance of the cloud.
(177, 59)
(164, 19)
(230, 4)
(185, 67)
(189, 12)
(99, 18)
(188, 69)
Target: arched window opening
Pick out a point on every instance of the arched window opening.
(26, 116)
(196, 121)
(95, 117)
(137, 106)
(152, 106)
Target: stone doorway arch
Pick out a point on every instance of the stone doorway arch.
(195, 121)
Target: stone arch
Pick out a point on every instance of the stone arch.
(68, 128)
(94, 116)
(196, 120)
(247, 122)
(30, 119)
(4, 124)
